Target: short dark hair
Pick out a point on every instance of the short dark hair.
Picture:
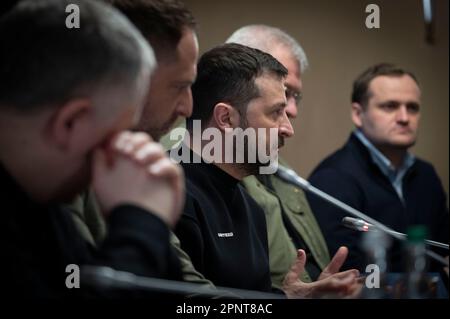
(162, 22)
(227, 74)
(361, 93)
(44, 63)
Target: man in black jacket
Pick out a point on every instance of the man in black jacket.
(66, 96)
(238, 91)
(375, 173)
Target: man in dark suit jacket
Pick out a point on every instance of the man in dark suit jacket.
(375, 173)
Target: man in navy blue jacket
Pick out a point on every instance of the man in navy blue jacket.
(374, 172)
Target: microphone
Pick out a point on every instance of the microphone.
(356, 224)
(363, 226)
(289, 176)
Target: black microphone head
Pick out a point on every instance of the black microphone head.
(356, 224)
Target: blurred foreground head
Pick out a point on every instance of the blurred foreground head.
(65, 91)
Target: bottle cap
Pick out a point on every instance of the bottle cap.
(417, 233)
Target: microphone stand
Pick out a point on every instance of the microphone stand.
(291, 177)
(106, 277)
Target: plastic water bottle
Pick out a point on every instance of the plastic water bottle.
(417, 283)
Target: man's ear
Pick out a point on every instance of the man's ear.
(67, 121)
(357, 111)
(225, 116)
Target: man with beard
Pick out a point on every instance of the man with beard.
(291, 224)
(223, 229)
(169, 27)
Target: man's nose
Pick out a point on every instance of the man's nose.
(403, 115)
(184, 107)
(291, 108)
(286, 129)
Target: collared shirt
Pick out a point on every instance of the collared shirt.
(395, 176)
